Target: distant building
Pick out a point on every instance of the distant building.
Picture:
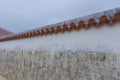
(95, 32)
(4, 32)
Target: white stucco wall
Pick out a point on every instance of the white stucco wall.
(105, 39)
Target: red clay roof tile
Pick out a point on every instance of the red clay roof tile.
(97, 19)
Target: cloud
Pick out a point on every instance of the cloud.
(21, 15)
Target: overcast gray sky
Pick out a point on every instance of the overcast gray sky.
(22, 15)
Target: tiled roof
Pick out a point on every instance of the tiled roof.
(109, 17)
(4, 32)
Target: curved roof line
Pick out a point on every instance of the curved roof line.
(97, 19)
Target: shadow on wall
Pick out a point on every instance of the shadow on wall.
(2, 78)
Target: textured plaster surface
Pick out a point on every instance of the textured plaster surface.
(59, 65)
